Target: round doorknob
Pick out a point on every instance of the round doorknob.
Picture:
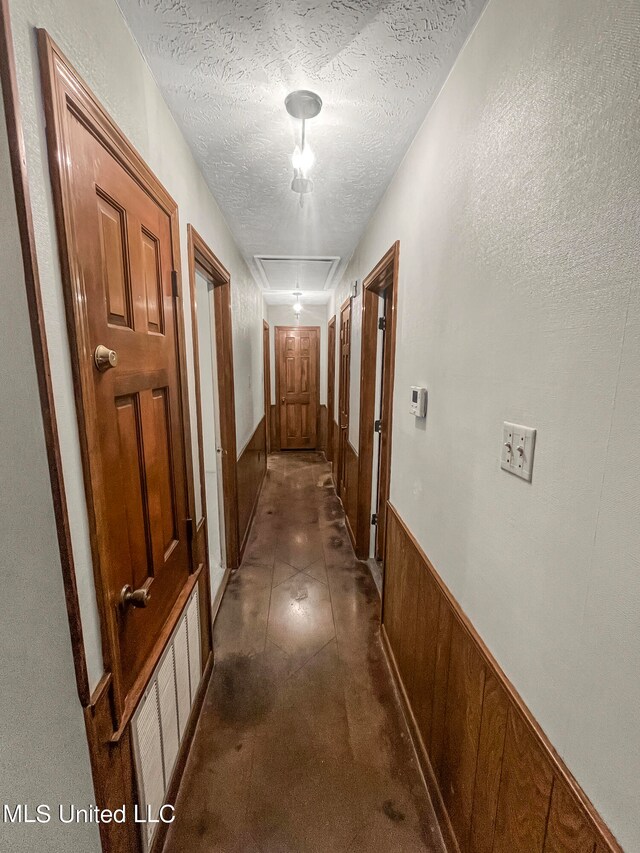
(105, 358)
(134, 597)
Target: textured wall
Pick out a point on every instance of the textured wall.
(517, 208)
(95, 37)
(312, 315)
(43, 747)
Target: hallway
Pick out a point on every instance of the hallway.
(301, 745)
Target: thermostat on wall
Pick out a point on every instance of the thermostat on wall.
(418, 406)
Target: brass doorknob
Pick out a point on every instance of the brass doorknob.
(282, 400)
(134, 597)
(105, 358)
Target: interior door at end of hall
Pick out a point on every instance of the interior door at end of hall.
(211, 449)
(132, 406)
(297, 359)
(343, 402)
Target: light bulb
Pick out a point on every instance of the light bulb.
(303, 159)
(297, 308)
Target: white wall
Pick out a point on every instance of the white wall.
(43, 747)
(312, 315)
(518, 214)
(95, 38)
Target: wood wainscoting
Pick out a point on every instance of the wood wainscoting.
(350, 494)
(497, 783)
(322, 429)
(252, 466)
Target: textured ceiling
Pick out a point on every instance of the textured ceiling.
(225, 68)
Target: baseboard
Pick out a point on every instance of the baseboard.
(183, 754)
(495, 779)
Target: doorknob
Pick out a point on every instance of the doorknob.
(282, 399)
(134, 597)
(105, 358)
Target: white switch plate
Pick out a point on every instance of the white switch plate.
(518, 445)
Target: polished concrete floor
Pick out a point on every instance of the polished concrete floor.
(301, 745)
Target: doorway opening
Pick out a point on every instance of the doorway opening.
(217, 504)
(379, 300)
(298, 386)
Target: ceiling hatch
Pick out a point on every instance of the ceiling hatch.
(292, 272)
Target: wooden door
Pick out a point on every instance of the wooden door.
(331, 385)
(267, 384)
(343, 402)
(130, 410)
(298, 382)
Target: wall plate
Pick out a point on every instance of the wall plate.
(518, 445)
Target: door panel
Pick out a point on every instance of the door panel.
(297, 384)
(343, 404)
(132, 411)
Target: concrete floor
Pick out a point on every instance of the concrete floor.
(301, 745)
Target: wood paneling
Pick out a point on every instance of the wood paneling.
(252, 466)
(350, 487)
(322, 429)
(567, 832)
(525, 791)
(497, 784)
(495, 708)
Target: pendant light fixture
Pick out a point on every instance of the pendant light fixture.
(297, 305)
(302, 105)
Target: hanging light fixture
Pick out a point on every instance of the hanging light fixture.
(302, 105)
(297, 305)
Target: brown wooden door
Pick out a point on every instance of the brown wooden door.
(131, 413)
(297, 386)
(331, 386)
(343, 401)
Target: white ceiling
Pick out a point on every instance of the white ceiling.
(225, 68)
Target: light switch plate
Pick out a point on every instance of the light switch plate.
(518, 445)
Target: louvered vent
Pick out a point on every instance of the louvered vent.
(161, 718)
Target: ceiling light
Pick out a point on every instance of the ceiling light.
(303, 159)
(302, 105)
(297, 305)
(297, 308)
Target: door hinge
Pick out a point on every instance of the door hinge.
(174, 283)
(189, 523)
(382, 323)
(377, 426)
(374, 518)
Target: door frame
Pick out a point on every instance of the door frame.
(277, 329)
(331, 384)
(382, 282)
(340, 456)
(266, 366)
(200, 255)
